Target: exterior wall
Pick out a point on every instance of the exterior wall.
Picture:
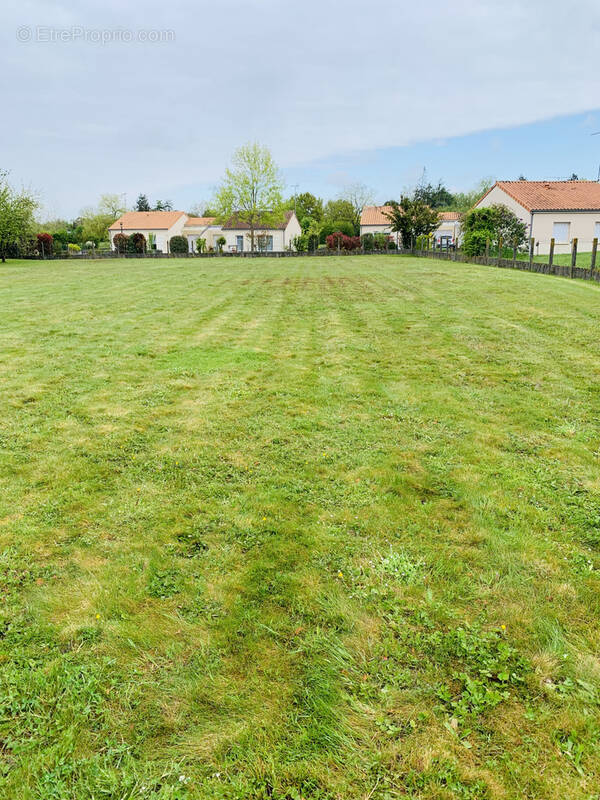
(582, 228)
(211, 233)
(448, 228)
(498, 196)
(293, 229)
(380, 229)
(162, 235)
(582, 223)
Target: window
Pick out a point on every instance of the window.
(560, 232)
(597, 230)
(239, 243)
(265, 243)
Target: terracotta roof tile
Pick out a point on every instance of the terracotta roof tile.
(553, 195)
(146, 220)
(450, 216)
(375, 215)
(199, 221)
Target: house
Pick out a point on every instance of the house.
(373, 219)
(280, 237)
(206, 228)
(448, 231)
(559, 210)
(159, 227)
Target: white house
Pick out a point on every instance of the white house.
(373, 219)
(562, 210)
(280, 237)
(159, 227)
(448, 231)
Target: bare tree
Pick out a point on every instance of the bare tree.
(358, 195)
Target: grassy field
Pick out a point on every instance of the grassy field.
(315, 528)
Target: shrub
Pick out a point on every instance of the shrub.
(367, 242)
(57, 247)
(136, 243)
(343, 226)
(200, 245)
(73, 248)
(300, 243)
(474, 242)
(221, 241)
(44, 243)
(103, 245)
(120, 242)
(178, 244)
(340, 240)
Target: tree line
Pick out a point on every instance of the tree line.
(252, 189)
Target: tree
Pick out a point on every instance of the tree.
(251, 190)
(16, 216)
(221, 242)
(202, 209)
(112, 205)
(163, 205)
(45, 243)
(491, 224)
(358, 196)
(340, 225)
(463, 201)
(434, 196)
(307, 207)
(200, 245)
(120, 242)
(142, 203)
(412, 218)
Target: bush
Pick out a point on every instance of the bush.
(178, 244)
(381, 241)
(474, 242)
(120, 242)
(200, 245)
(57, 247)
(343, 226)
(300, 243)
(73, 248)
(339, 240)
(104, 246)
(136, 243)
(44, 243)
(221, 241)
(367, 242)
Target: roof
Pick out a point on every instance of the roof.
(552, 195)
(449, 216)
(375, 215)
(199, 221)
(234, 223)
(146, 220)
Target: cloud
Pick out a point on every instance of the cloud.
(310, 81)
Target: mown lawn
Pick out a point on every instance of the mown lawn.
(314, 528)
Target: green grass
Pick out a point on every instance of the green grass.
(315, 528)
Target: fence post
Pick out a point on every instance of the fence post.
(573, 256)
(515, 254)
(551, 254)
(487, 251)
(594, 251)
(499, 251)
(531, 249)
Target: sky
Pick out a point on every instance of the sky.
(155, 97)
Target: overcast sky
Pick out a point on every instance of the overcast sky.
(321, 83)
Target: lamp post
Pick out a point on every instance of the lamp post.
(120, 240)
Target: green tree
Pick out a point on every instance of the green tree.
(307, 207)
(251, 190)
(163, 205)
(411, 218)
(491, 224)
(338, 211)
(463, 201)
(357, 196)
(142, 203)
(16, 216)
(434, 196)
